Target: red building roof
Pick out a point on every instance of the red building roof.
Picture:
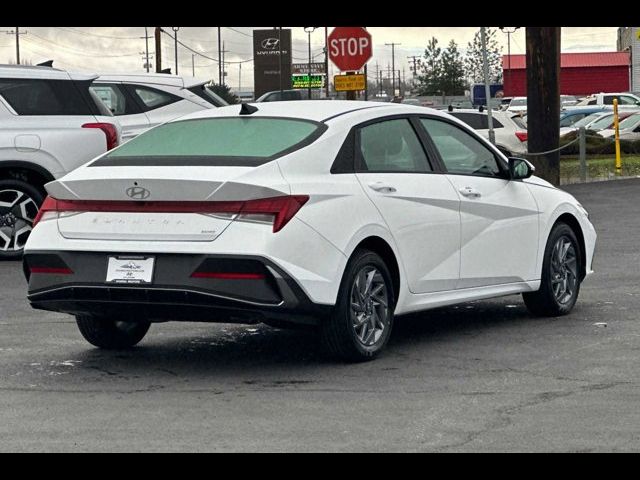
(571, 60)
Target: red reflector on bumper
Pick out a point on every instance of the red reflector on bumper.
(52, 271)
(228, 275)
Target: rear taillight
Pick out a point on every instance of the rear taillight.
(522, 136)
(49, 205)
(276, 210)
(51, 270)
(109, 130)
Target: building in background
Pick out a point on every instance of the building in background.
(581, 74)
(629, 41)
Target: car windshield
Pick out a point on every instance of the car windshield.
(216, 141)
(583, 122)
(518, 102)
(602, 123)
(630, 122)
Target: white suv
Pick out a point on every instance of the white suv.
(142, 101)
(50, 124)
(509, 128)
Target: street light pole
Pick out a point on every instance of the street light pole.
(508, 32)
(309, 30)
(175, 41)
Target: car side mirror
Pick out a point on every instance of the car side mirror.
(520, 168)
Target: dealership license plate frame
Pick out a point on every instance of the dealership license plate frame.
(130, 270)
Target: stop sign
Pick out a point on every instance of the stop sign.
(350, 47)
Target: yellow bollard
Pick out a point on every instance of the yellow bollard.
(617, 130)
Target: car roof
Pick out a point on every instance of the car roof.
(153, 79)
(29, 71)
(314, 110)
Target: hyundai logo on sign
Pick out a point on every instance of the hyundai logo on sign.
(270, 43)
(138, 193)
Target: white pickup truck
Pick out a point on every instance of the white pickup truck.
(50, 124)
(625, 100)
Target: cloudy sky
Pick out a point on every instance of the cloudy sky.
(121, 49)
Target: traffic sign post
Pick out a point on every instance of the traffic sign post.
(350, 48)
(348, 83)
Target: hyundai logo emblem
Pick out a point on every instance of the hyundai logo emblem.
(270, 43)
(138, 193)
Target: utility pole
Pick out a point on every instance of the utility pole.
(146, 41)
(543, 99)
(239, 77)
(157, 32)
(280, 59)
(326, 61)
(219, 58)
(414, 69)
(508, 32)
(224, 73)
(393, 66)
(487, 89)
(193, 64)
(175, 41)
(17, 33)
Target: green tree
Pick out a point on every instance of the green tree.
(224, 91)
(473, 59)
(452, 80)
(429, 80)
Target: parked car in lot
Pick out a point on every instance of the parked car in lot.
(142, 101)
(518, 104)
(50, 124)
(284, 95)
(568, 117)
(625, 100)
(628, 129)
(212, 217)
(509, 129)
(568, 100)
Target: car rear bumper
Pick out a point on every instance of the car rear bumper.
(75, 283)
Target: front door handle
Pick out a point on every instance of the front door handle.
(470, 192)
(382, 187)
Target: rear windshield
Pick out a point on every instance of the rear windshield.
(229, 141)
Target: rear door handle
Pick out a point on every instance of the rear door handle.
(382, 187)
(470, 192)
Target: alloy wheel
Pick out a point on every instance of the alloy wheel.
(369, 306)
(17, 212)
(564, 270)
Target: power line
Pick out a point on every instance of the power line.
(81, 52)
(82, 32)
(238, 31)
(203, 55)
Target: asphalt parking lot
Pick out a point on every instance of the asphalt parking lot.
(484, 376)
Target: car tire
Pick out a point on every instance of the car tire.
(361, 322)
(560, 281)
(24, 201)
(111, 334)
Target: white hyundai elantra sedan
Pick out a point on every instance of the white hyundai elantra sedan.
(336, 215)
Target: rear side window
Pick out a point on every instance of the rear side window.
(47, 97)
(392, 146)
(216, 142)
(571, 119)
(152, 98)
(114, 98)
(209, 95)
(477, 121)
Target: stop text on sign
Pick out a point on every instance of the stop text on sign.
(352, 47)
